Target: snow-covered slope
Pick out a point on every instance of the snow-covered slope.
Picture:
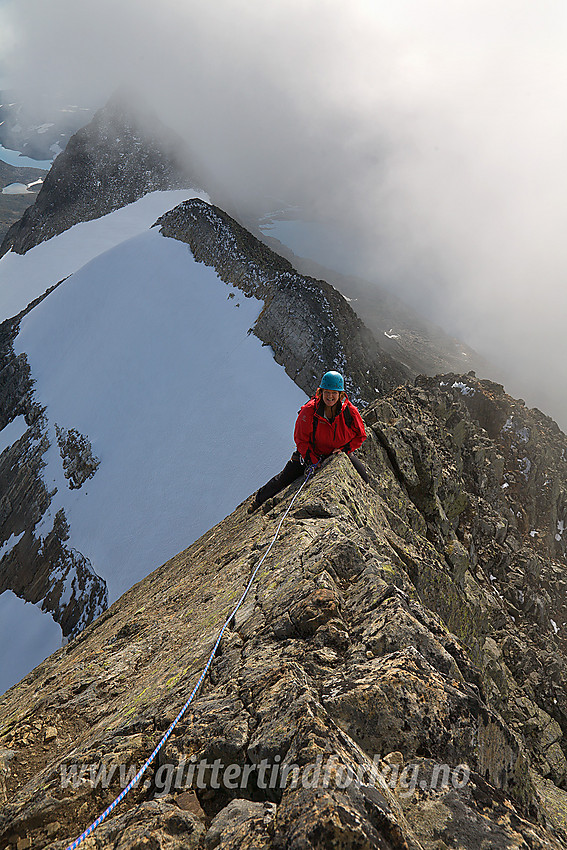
(146, 354)
(24, 277)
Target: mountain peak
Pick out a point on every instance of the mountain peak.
(121, 155)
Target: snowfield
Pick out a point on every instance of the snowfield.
(23, 278)
(15, 189)
(143, 351)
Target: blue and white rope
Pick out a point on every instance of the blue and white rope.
(90, 829)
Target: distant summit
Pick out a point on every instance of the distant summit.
(116, 159)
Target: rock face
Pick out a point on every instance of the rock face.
(395, 678)
(308, 324)
(79, 463)
(40, 567)
(109, 163)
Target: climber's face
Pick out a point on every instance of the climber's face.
(330, 397)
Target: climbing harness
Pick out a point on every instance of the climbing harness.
(90, 829)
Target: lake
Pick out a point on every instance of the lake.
(20, 161)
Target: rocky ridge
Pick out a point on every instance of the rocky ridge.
(111, 162)
(408, 634)
(307, 323)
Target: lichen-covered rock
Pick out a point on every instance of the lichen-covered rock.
(241, 823)
(473, 814)
(156, 823)
(373, 691)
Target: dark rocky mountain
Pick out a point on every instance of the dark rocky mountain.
(111, 162)
(416, 624)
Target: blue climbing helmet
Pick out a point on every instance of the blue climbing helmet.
(332, 381)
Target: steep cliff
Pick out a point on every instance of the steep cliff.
(402, 653)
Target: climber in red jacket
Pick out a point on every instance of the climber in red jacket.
(329, 423)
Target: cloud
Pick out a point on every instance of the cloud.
(430, 133)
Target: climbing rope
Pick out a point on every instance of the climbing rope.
(90, 829)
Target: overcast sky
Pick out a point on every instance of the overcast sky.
(431, 133)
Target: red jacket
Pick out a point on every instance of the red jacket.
(317, 436)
